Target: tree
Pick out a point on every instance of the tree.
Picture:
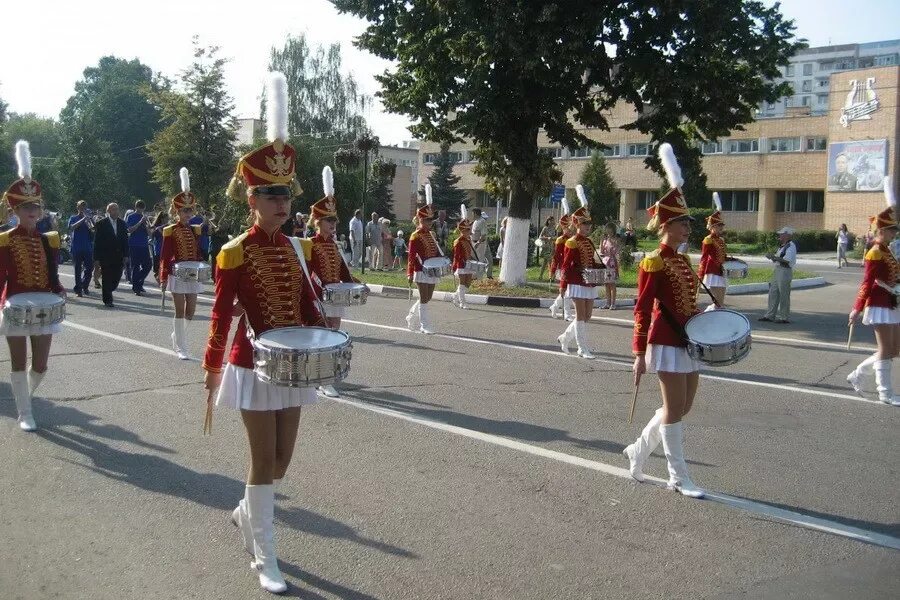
(199, 131)
(600, 188)
(443, 182)
(380, 194)
(44, 138)
(500, 72)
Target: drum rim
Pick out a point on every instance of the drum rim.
(347, 339)
(57, 299)
(713, 312)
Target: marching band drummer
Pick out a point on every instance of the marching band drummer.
(877, 304)
(463, 251)
(422, 246)
(580, 254)
(566, 230)
(713, 256)
(28, 263)
(666, 299)
(181, 242)
(261, 270)
(326, 263)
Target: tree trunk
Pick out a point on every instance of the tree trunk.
(515, 244)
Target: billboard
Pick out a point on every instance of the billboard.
(858, 166)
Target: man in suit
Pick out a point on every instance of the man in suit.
(111, 248)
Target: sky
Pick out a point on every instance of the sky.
(65, 37)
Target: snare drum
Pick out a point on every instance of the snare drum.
(302, 356)
(719, 337)
(476, 268)
(34, 309)
(345, 294)
(735, 269)
(192, 270)
(439, 266)
(594, 276)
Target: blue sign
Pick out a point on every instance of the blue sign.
(557, 193)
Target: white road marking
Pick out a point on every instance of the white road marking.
(758, 508)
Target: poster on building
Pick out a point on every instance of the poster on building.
(857, 166)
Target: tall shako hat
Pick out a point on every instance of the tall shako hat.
(464, 225)
(326, 208)
(583, 214)
(566, 219)
(887, 217)
(184, 199)
(23, 190)
(672, 205)
(716, 217)
(426, 212)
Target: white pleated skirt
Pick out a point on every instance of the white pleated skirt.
(9, 330)
(715, 281)
(880, 315)
(581, 292)
(421, 277)
(177, 286)
(669, 359)
(241, 390)
(332, 310)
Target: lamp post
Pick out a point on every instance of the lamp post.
(365, 144)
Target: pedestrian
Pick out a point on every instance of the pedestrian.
(609, 253)
(356, 238)
(869, 238)
(580, 254)
(463, 251)
(200, 219)
(480, 241)
(373, 241)
(713, 254)
(270, 413)
(110, 250)
(181, 242)
(138, 247)
(566, 230)
(843, 244)
(780, 287)
(297, 226)
(387, 243)
(442, 230)
(422, 246)
(47, 222)
(630, 235)
(502, 235)
(878, 304)
(161, 220)
(28, 263)
(81, 227)
(399, 249)
(545, 251)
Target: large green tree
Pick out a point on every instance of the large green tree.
(499, 72)
(600, 189)
(444, 191)
(45, 140)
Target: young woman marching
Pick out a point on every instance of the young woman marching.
(566, 230)
(28, 263)
(463, 251)
(714, 254)
(580, 254)
(326, 263)
(609, 252)
(422, 246)
(667, 290)
(181, 242)
(261, 271)
(877, 303)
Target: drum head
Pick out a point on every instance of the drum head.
(34, 299)
(344, 285)
(437, 261)
(719, 326)
(317, 338)
(190, 264)
(736, 264)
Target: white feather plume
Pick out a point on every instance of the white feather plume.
(23, 160)
(565, 206)
(579, 191)
(428, 194)
(670, 165)
(328, 181)
(463, 213)
(277, 107)
(889, 191)
(185, 179)
(717, 202)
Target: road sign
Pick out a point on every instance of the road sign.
(557, 193)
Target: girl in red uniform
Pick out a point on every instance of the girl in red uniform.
(666, 299)
(261, 271)
(714, 254)
(580, 254)
(28, 263)
(566, 230)
(422, 246)
(877, 303)
(181, 242)
(463, 251)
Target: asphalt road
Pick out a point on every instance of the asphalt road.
(476, 463)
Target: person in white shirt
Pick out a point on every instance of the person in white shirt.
(480, 242)
(780, 287)
(356, 238)
(373, 239)
(843, 243)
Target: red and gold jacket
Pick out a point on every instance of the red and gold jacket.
(664, 276)
(880, 265)
(23, 263)
(180, 242)
(326, 261)
(577, 256)
(559, 249)
(462, 252)
(263, 273)
(712, 256)
(422, 245)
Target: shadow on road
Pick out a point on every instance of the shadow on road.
(307, 521)
(335, 589)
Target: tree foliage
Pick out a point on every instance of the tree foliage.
(444, 191)
(380, 195)
(601, 190)
(45, 139)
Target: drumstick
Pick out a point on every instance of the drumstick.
(850, 336)
(637, 385)
(162, 302)
(207, 421)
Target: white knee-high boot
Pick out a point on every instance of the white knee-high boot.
(584, 350)
(34, 380)
(261, 512)
(565, 340)
(18, 380)
(425, 319)
(883, 382)
(178, 338)
(568, 309)
(462, 296)
(864, 368)
(412, 319)
(644, 446)
(240, 517)
(557, 304)
(673, 444)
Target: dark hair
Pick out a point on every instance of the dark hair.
(161, 218)
(139, 204)
(476, 212)
(547, 221)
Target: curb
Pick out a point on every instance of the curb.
(757, 288)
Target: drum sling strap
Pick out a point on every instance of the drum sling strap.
(672, 321)
(52, 267)
(299, 251)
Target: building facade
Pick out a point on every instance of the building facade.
(406, 180)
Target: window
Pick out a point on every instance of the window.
(823, 83)
(791, 144)
(740, 200)
(579, 152)
(554, 151)
(711, 147)
(613, 150)
(807, 69)
(826, 66)
(456, 157)
(770, 106)
(800, 201)
(743, 146)
(804, 101)
(807, 85)
(886, 61)
(646, 199)
(638, 149)
(816, 144)
(788, 101)
(428, 158)
(789, 71)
